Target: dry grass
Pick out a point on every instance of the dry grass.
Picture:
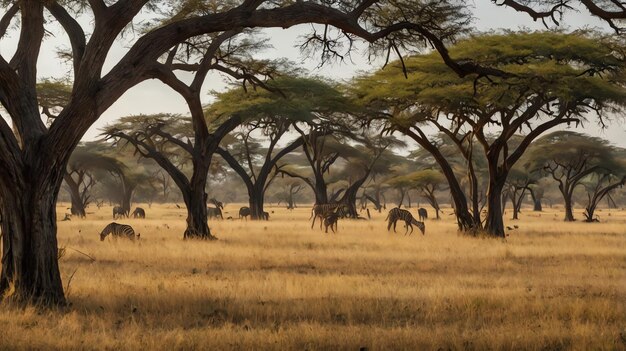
(280, 285)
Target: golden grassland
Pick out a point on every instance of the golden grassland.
(280, 285)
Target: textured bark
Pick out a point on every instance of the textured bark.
(256, 202)
(196, 202)
(569, 211)
(494, 224)
(30, 271)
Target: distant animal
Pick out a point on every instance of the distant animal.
(266, 216)
(330, 220)
(139, 213)
(244, 212)
(218, 204)
(118, 212)
(214, 212)
(177, 205)
(321, 210)
(396, 214)
(422, 213)
(118, 231)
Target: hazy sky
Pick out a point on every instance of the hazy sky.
(153, 97)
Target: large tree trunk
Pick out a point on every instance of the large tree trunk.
(569, 211)
(465, 221)
(195, 200)
(256, 202)
(30, 271)
(127, 196)
(78, 207)
(537, 207)
(320, 190)
(495, 223)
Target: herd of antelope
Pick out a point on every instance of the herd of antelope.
(328, 215)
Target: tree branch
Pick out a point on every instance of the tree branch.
(74, 32)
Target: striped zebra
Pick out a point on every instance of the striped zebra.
(397, 214)
(118, 231)
(322, 210)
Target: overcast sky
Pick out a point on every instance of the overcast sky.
(153, 97)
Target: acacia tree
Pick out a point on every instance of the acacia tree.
(34, 157)
(600, 185)
(569, 158)
(80, 176)
(321, 151)
(370, 159)
(167, 139)
(612, 12)
(271, 116)
(428, 182)
(517, 184)
(570, 75)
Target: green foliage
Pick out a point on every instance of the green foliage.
(296, 99)
(572, 150)
(419, 179)
(575, 67)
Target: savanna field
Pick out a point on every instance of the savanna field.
(281, 285)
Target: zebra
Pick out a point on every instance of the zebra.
(422, 213)
(397, 214)
(214, 212)
(244, 212)
(139, 213)
(330, 220)
(119, 212)
(118, 230)
(321, 210)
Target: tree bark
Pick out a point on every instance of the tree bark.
(30, 271)
(195, 201)
(256, 202)
(569, 212)
(494, 223)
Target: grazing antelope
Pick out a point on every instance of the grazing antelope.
(118, 231)
(214, 212)
(422, 214)
(217, 204)
(397, 214)
(244, 212)
(118, 212)
(139, 213)
(330, 220)
(322, 210)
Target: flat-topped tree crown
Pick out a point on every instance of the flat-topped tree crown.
(556, 79)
